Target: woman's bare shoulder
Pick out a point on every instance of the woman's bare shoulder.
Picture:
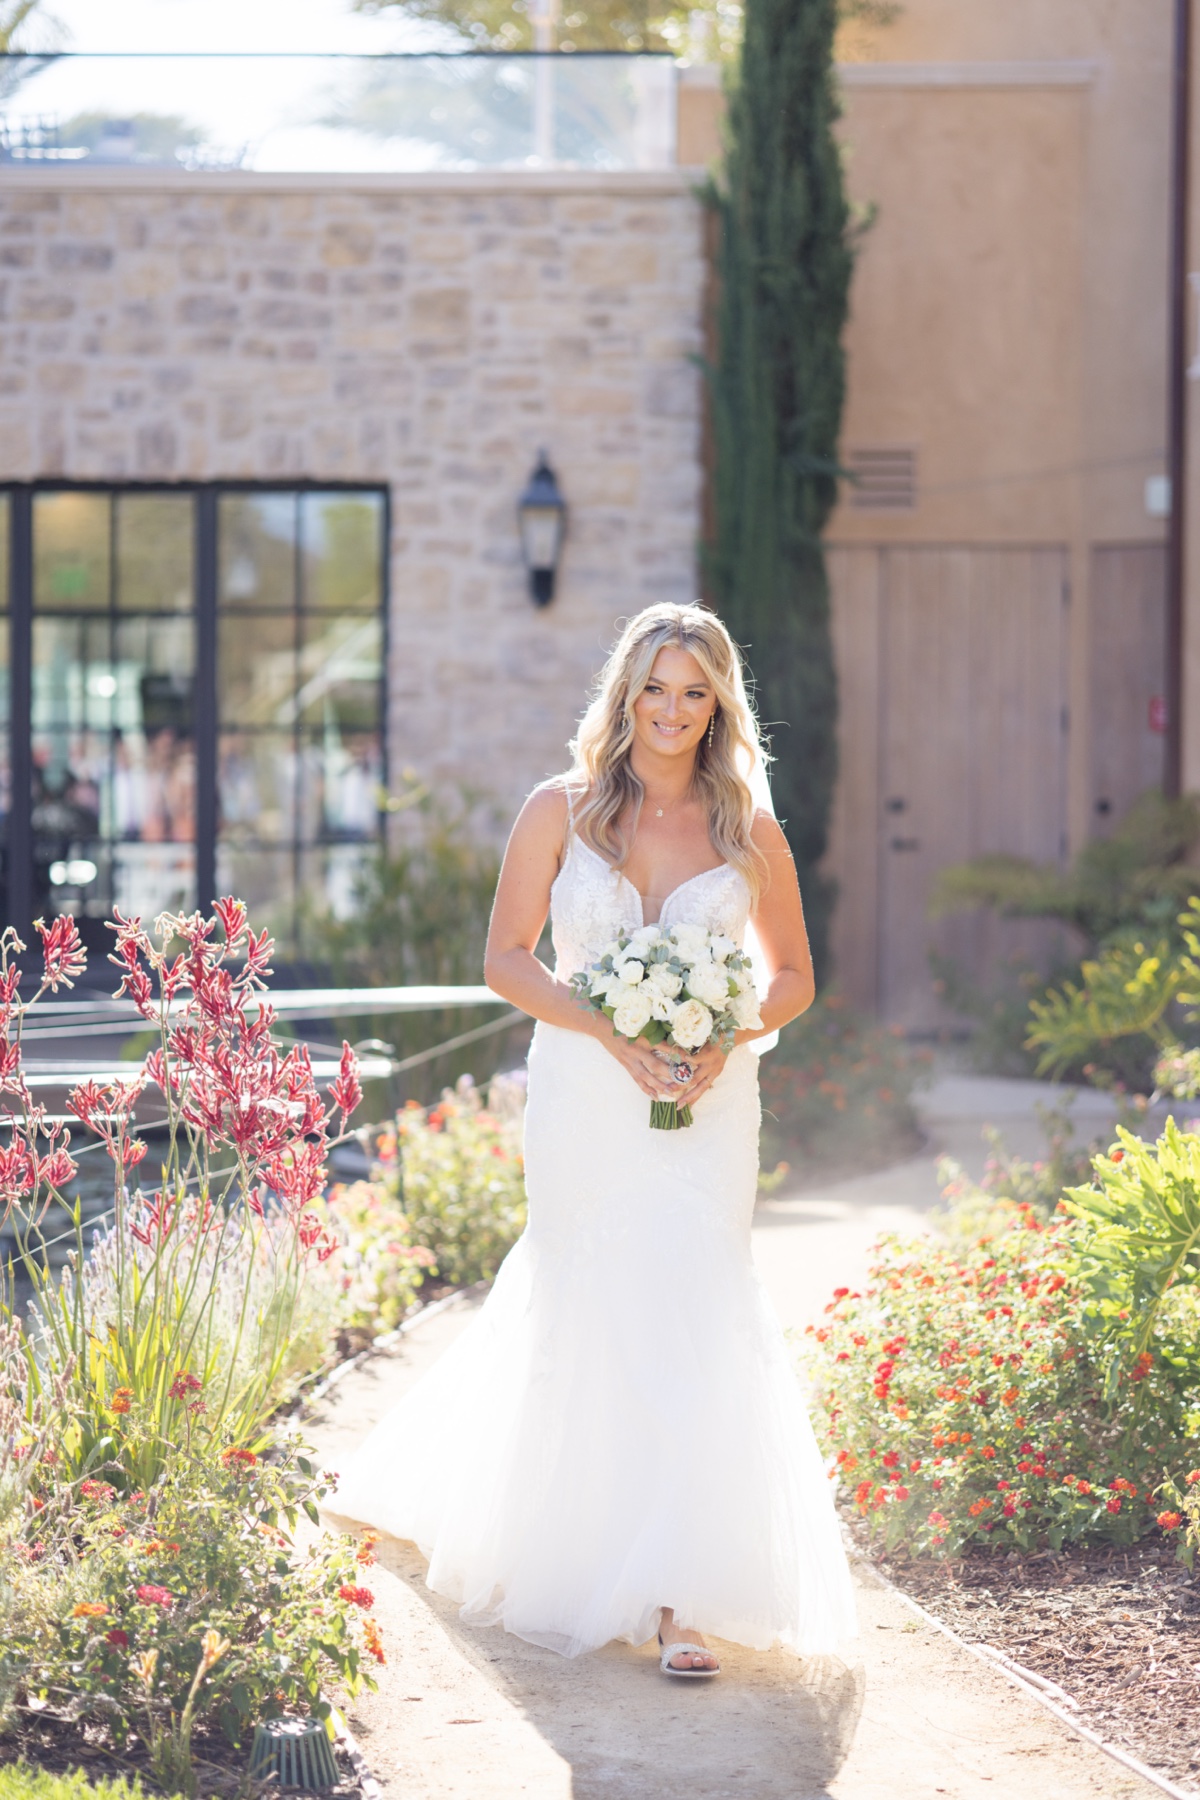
(543, 818)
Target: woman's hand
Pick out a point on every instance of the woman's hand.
(651, 1072)
(707, 1065)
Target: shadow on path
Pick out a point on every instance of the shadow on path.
(774, 1727)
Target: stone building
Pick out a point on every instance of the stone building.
(276, 360)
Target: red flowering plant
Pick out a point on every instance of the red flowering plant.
(177, 1321)
(971, 1396)
(109, 1624)
(455, 1173)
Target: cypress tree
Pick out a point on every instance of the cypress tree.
(776, 393)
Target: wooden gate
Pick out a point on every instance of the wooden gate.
(1127, 664)
(953, 743)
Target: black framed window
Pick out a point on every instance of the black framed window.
(191, 698)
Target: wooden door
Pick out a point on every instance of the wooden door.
(972, 750)
(1127, 665)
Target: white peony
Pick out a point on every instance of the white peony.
(664, 1008)
(692, 1025)
(644, 938)
(744, 1008)
(692, 941)
(664, 980)
(721, 947)
(633, 1013)
(708, 982)
(630, 971)
(601, 983)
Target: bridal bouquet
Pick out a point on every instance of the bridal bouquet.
(680, 986)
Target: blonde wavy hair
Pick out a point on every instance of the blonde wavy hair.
(601, 747)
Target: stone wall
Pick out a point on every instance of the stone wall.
(429, 332)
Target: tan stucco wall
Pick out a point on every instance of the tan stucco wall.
(428, 332)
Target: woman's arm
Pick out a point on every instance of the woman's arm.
(779, 922)
(531, 862)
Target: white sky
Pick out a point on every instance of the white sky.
(216, 25)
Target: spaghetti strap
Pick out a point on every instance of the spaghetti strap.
(570, 809)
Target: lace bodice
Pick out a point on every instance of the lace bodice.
(591, 902)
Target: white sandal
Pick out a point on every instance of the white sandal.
(667, 1651)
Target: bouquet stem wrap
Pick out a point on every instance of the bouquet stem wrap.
(668, 1115)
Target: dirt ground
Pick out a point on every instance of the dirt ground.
(1118, 1630)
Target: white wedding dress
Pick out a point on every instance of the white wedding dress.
(621, 1428)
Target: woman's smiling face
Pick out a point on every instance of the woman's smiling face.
(672, 712)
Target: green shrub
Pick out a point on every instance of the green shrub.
(458, 1173)
(1037, 1386)
(1104, 1018)
(20, 1782)
(120, 1608)
(1135, 880)
(838, 1091)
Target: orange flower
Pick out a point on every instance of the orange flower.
(89, 1609)
(120, 1401)
(1170, 1521)
(1009, 1396)
(373, 1640)
(235, 1458)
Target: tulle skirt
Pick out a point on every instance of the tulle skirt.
(621, 1427)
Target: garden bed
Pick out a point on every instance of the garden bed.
(1116, 1628)
(49, 1741)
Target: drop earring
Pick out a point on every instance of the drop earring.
(712, 725)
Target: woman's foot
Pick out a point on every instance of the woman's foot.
(684, 1661)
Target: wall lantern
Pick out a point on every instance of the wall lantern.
(542, 514)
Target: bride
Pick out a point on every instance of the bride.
(617, 1444)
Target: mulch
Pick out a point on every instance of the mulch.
(1118, 1630)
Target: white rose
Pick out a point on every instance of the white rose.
(722, 947)
(630, 971)
(645, 937)
(664, 980)
(692, 941)
(708, 982)
(632, 1014)
(600, 985)
(692, 1025)
(664, 1007)
(612, 952)
(744, 1008)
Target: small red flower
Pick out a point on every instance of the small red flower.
(184, 1384)
(233, 1458)
(117, 1638)
(1170, 1521)
(120, 1402)
(151, 1595)
(356, 1596)
(1113, 1505)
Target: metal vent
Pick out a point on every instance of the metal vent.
(885, 480)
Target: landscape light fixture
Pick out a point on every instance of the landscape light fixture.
(542, 515)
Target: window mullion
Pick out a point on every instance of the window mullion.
(206, 697)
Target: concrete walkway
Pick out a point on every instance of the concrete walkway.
(478, 1714)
